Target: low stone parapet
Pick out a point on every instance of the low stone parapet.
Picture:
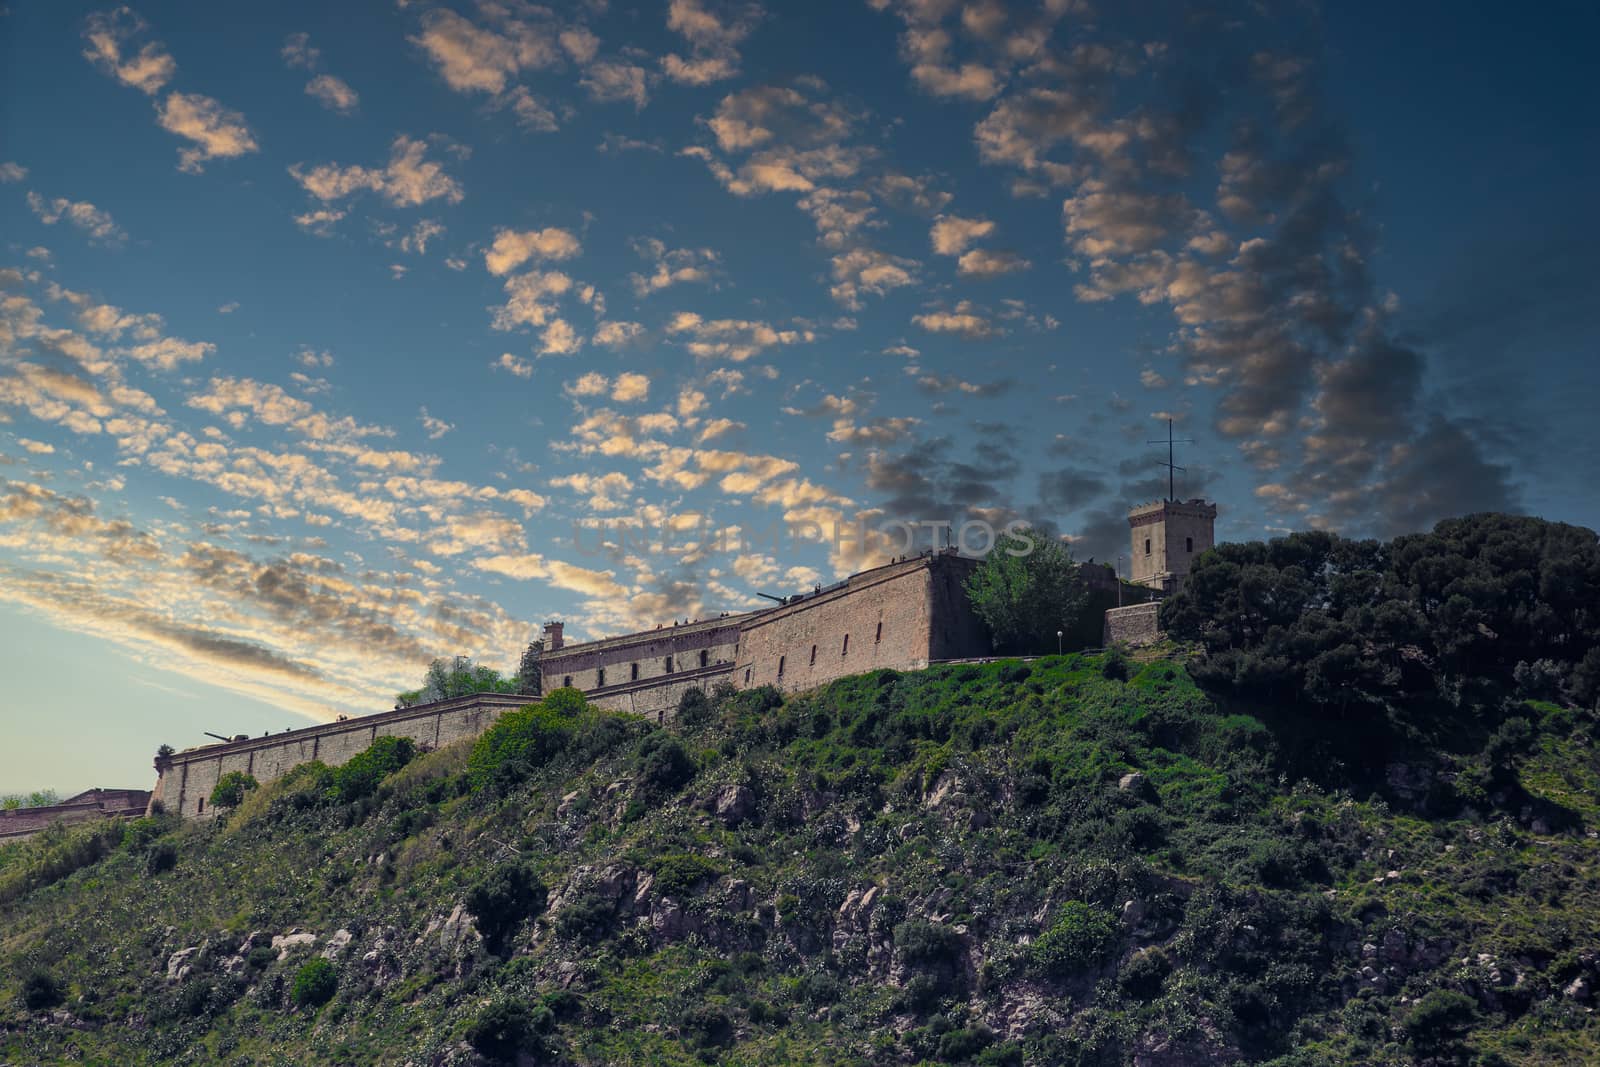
(1135, 624)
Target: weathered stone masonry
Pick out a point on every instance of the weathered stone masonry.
(901, 615)
(184, 780)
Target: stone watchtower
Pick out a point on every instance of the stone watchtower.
(1166, 536)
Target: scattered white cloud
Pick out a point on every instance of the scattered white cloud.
(334, 94)
(520, 367)
(409, 179)
(98, 224)
(513, 248)
(217, 132)
(433, 427)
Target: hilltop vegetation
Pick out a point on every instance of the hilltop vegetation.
(1078, 860)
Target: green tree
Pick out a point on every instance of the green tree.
(528, 680)
(502, 899)
(1439, 1021)
(457, 677)
(1027, 591)
(315, 984)
(359, 775)
(230, 789)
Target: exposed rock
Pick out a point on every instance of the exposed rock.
(286, 943)
(568, 802)
(459, 929)
(178, 965)
(1208, 1048)
(1578, 989)
(336, 943)
(1132, 782)
(733, 803)
(1133, 912)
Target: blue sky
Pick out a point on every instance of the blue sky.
(337, 338)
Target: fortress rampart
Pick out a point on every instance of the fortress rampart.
(184, 780)
(902, 615)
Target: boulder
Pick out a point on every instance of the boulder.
(286, 943)
(178, 965)
(733, 803)
(1132, 782)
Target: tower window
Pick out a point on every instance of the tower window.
(705, 658)
(669, 664)
(879, 635)
(1188, 544)
(634, 673)
(747, 676)
(600, 677)
(1147, 546)
(566, 682)
(780, 666)
(813, 655)
(845, 651)
(200, 806)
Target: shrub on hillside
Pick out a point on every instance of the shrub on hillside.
(694, 709)
(665, 766)
(231, 788)
(678, 873)
(315, 984)
(925, 944)
(1439, 1020)
(41, 991)
(508, 1027)
(527, 738)
(503, 898)
(359, 776)
(1082, 937)
(586, 917)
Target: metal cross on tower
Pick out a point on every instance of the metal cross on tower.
(1172, 468)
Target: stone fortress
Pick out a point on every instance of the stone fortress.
(905, 615)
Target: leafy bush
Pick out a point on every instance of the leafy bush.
(925, 944)
(315, 984)
(505, 1028)
(665, 766)
(1081, 938)
(1114, 664)
(694, 709)
(587, 917)
(527, 738)
(359, 775)
(161, 858)
(508, 894)
(678, 873)
(231, 788)
(41, 991)
(1439, 1020)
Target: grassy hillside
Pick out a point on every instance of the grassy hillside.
(1073, 861)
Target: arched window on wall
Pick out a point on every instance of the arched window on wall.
(1188, 545)
(705, 659)
(845, 651)
(813, 655)
(600, 678)
(634, 675)
(780, 666)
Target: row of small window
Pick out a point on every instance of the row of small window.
(633, 671)
(1188, 545)
(844, 650)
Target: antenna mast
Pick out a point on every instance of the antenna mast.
(1172, 467)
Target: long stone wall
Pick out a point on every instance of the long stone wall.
(185, 779)
(899, 615)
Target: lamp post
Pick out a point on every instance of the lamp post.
(1058, 642)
